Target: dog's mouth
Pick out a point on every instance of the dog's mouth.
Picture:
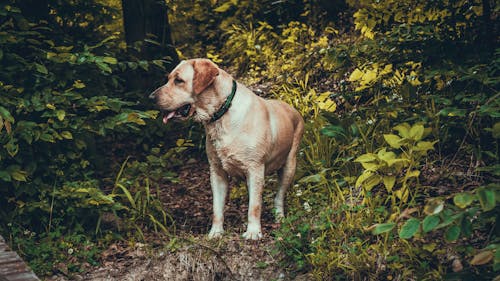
(182, 111)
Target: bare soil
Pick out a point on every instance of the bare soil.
(187, 254)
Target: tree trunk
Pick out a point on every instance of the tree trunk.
(148, 19)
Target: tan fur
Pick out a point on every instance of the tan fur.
(255, 137)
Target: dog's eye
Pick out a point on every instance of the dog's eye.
(178, 81)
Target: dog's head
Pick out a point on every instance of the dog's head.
(180, 95)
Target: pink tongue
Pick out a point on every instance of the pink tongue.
(169, 116)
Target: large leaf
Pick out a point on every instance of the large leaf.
(416, 132)
(486, 198)
(383, 228)
(393, 140)
(463, 200)
(409, 228)
(452, 233)
(389, 182)
(403, 130)
(430, 223)
(368, 157)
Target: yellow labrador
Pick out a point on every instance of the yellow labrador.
(246, 135)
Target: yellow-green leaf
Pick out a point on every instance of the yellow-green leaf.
(393, 140)
(416, 132)
(79, 84)
(67, 135)
(60, 114)
(370, 166)
(413, 174)
(369, 76)
(403, 130)
(389, 182)
(356, 75)
(424, 146)
(109, 60)
(368, 157)
(463, 200)
(364, 176)
(386, 155)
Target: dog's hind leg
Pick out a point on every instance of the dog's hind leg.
(286, 173)
(285, 176)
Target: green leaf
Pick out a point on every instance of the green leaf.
(41, 68)
(223, 8)
(6, 114)
(316, 178)
(424, 146)
(67, 135)
(495, 131)
(383, 228)
(413, 174)
(333, 131)
(486, 198)
(370, 166)
(430, 223)
(416, 132)
(364, 176)
(403, 130)
(386, 155)
(389, 182)
(103, 66)
(409, 228)
(110, 60)
(78, 84)
(368, 157)
(60, 114)
(5, 176)
(19, 175)
(393, 140)
(462, 200)
(452, 233)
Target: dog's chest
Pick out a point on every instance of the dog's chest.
(231, 153)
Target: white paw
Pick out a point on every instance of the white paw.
(250, 235)
(253, 232)
(215, 232)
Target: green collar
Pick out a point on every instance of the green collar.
(223, 109)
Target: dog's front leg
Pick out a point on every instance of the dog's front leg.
(255, 183)
(219, 183)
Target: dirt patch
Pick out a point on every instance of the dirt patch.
(187, 254)
(229, 258)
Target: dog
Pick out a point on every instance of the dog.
(246, 136)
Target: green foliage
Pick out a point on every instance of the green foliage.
(55, 251)
(392, 170)
(138, 187)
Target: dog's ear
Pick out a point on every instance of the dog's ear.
(205, 72)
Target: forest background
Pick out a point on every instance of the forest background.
(398, 169)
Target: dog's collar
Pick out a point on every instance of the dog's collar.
(223, 109)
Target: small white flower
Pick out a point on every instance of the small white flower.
(70, 251)
(307, 207)
(298, 193)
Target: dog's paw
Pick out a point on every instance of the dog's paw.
(215, 233)
(252, 235)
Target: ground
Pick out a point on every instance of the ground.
(189, 255)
